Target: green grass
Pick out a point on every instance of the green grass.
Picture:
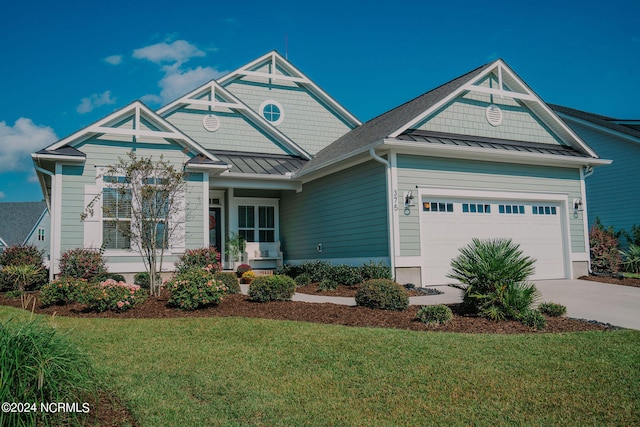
(234, 371)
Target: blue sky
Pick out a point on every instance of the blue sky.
(67, 64)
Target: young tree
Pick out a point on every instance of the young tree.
(154, 193)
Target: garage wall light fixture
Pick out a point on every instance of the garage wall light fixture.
(577, 205)
(408, 199)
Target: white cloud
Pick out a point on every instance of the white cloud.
(17, 142)
(178, 52)
(113, 59)
(95, 101)
(2, 195)
(178, 82)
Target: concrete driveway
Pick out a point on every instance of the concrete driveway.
(614, 304)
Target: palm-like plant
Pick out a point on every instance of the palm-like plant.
(631, 261)
(493, 275)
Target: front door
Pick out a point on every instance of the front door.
(215, 228)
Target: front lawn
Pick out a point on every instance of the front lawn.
(237, 371)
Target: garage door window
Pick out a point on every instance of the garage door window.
(435, 206)
(476, 208)
(544, 210)
(511, 209)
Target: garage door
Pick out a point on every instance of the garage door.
(449, 224)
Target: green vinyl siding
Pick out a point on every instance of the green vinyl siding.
(346, 212)
(466, 115)
(235, 132)
(194, 226)
(72, 205)
(307, 121)
(613, 191)
(415, 171)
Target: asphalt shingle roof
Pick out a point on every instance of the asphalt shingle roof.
(604, 121)
(17, 219)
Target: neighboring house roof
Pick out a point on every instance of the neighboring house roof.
(258, 163)
(396, 122)
(617, 125)
(18, 220)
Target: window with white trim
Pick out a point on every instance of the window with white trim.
(116, 218)
(476, 208)
(272, 111)
(544, 210)
(511, 209)
(257, 228)
(437, 206)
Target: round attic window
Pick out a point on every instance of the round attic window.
(211, 123)
(494, 115)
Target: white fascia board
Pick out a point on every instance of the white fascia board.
(483, 154)
(333, 165)
(600, 128)
(218, 169)
(212, 88)
(56, 158)
(255, 181)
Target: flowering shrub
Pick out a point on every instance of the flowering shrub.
(207, 258)
(249, 275)
(195, 288)
(64, 290)
(603, 248)
(115, 296)
(82, 264)
(230, 280)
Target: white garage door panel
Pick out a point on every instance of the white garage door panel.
(444, 233)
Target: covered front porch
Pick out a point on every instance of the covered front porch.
(244, 206)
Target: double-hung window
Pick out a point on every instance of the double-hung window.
(116, 218)
(257, 228)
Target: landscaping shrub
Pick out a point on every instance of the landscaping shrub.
(142, 279)
(64, 290)
(195, 288)
(272, 288)
(207, 258)
(533, 318)
(82, 264)
(318, 270)
(242, 268)
(106, 276)
(603, 248)
(384, 294)
(27, 255)
(492, 274)
(114, 296)
(631, 262)
(230, 280)
(552, 309)
(302, 280)
(374, 270)
(435, 314)
(346, 275)
(41, 365)
(290, 270)
(328, 285)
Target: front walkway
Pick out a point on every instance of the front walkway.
(603, 302)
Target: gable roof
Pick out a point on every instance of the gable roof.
(619, 126)
(283, 70)
(109, 125)
(18, 219)
(216, 97)
(396, 122)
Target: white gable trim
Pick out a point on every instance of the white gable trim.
(294, 75)
(138, 110)
(509, 85)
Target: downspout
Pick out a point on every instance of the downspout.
(49, 202)
(387, 169)
(586, 172)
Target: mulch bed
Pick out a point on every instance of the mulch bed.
(342, 291)
(625, 281)
(326, 313)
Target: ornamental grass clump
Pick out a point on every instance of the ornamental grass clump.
(384, 294)
(552, 309)
(435, 314)
(631, 263)
(114, 296)
(21, 268)
(38, 364)
(272, 288)
(195, 288)
(493, 275)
